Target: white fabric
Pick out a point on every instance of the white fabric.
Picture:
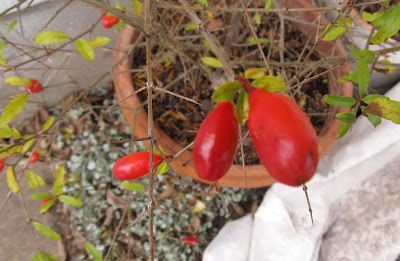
(355, 198)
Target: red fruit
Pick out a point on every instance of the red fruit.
(215, 143)
(35, 157)
(35, 87)
(1, 165)
(44, 201)
(109, 20)
(135, 165)
(190, 241)
(283, 136)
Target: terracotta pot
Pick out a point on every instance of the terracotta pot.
(257, 176)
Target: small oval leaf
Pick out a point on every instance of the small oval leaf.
(17, 81)
(92, 251)
(255, 73)
(59, 181)
(40, 196)
(11, 181)
(384, 108)
(99, 41)
(343, 129)
(48, 232)
(270, 83)
(367, 99)
(13, 109)
(72, 201)
(133, 186)
(211, 61)
(346, 117)
(190, 27)
(46, 206)
(7, 132)
(48, 123)
(242, 107)
(50, 37)
(375, 120)
(339, 101)
(162, 168)
(85, 49)
(226, 91)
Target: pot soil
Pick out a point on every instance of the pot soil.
(182, 118)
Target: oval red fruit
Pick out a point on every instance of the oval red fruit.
(190, 241)
(2, 165)
(109, 20)
(215, 143)
(283, 136)
(35, 157)
(135, 165)
(36, 86)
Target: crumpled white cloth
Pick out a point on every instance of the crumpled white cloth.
(355, 198)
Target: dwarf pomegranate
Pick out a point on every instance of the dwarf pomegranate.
(215, 143)
(135, 165)
(283, 136)
(35, 87)
(35, 157)
(109, 21)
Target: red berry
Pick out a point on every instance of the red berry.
(35, 87)
(215, 143)
(2, 165)
(109, 20)
(283, 136)
(190, 241)
(135, 165)
(35, 157)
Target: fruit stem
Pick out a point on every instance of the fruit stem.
(245, 83)
(308, 202)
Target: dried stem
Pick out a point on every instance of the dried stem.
(308, 202)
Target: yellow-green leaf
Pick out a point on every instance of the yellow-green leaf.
(367, 99)
(11, 26)
(40, 196)
(11, 181)
(91, 249)
(99, 41)
(134, 186)
(390, 25)
(7, 132)
(226, 91)
(162, 168)
(34, 180)
(47, 205)
(29, 141)
(367, 16)
(59, 181)
(48, 123)
(268, 4)
(17, 81)
(50, 37)
(211, 61)
(384, 108)
(257, 18)
(242, 107)
(48, 232)
(207, 45)
(8, 150)
(137, 7)
(13, 109)
(190, 27)
(255, 73)
(199, 206)
(85, 49)
(339, 101)
(270, 83)
(338, 30)
(252, 41)
(72, 201)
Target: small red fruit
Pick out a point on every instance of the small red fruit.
(109, 20)
(35, 87)
(283, 136)
(35, 157)
(44, 201)
(190, 241)
(2, 165)
(135, 165)
(216, 142)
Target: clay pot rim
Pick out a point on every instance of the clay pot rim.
(257, 176)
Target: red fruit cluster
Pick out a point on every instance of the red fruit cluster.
(216, 142)
(34, 87)
(190, 241)
(109, 21)
(283, 136)
(135, 165)
(35, 157)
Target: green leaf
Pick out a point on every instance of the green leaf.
(211, 61)
(48, 123)
(226, 91)
(72, 201)
(27, 145)
(40, 196)
(344, 128)
(48, 232)
(270, 83)
(367, 16)
(92, 251)
(375, 120)
(390, 25)
(34, 180)
(207, 45)
(2, 50)
(137, 7)
(47, 205)
(257, 18)
(363, 74)
(50, 37)
(11, 181)
(85, 49)
(252, 41)
(162, 168)
(346, 117)
(242, 107)
(7, 132)
(11, 26)
(268, 4)
(350, 76)
(49, 257)
(9, 150)
(17, 81)
(384, 108)
(190, 27)
(133, 186)
(204, 3)
(255, 73)
(339, 101)
(99, 41)
(59, 181)
(37, 257)
(367, 99)
(338, 30)
(13, 109)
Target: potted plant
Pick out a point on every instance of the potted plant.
(257, 176)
